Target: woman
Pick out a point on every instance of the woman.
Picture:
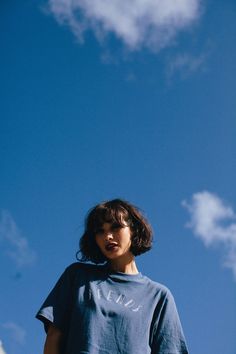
(105, 306)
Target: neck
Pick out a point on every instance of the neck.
(127, 266)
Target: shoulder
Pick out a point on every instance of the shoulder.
(82, 268)
(158, 288)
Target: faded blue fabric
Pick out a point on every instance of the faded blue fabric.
(102, 312)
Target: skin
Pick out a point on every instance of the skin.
(119, 256)
(54, 339)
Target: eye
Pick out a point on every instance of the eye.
(116, 226)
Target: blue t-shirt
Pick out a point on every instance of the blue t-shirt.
(102, 312)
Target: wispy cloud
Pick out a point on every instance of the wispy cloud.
(214, 222)
(137, 23)
(18, 248)
(17, 333)
(185, 64)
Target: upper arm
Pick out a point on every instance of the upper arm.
(54, 340)
(54, 332)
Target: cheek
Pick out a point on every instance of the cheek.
(126, 238)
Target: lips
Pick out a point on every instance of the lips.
(111, 246)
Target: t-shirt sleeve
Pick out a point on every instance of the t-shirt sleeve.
(168, 336)
(57, 306)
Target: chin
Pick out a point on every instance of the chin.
(113, 256)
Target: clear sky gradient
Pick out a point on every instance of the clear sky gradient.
(104, 104)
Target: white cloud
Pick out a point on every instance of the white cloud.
(137, 23)
(185, 64)
(2, 351)
(214, 222)
(17, 333)
(18, 248)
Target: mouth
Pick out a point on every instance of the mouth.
(111, 246)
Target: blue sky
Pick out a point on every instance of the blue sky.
(115, 101)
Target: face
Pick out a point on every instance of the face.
(114, 241)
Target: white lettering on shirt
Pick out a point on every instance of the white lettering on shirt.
(112, 296)
(109, 295)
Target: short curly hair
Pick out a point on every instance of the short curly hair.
(120, 212)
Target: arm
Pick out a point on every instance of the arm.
(54, 339)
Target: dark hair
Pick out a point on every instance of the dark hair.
(115, 211)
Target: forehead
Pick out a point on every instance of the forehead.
(108, 225)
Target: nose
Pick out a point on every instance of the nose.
(109, 235)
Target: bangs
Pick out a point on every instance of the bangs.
(107, 214)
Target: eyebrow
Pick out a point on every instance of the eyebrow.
(113, 224)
